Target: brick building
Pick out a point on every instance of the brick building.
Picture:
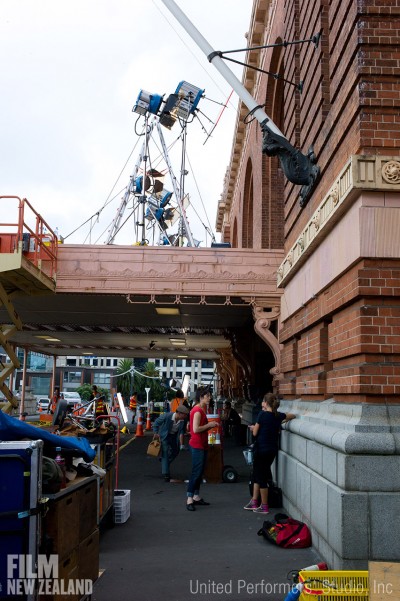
(339, 326)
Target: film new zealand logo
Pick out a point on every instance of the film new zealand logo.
(27, 576)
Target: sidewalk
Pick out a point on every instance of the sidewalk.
(164, 552)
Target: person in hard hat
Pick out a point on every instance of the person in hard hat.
(168, 427)
(266, 432)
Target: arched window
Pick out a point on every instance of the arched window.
(247, 221)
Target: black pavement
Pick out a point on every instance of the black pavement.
(164, 552)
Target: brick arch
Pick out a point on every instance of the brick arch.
(272, 175)
(247, 220)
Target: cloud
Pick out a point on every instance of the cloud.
(69, 84)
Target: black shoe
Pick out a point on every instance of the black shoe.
(201, 502)
(167, 478)
(190, 507)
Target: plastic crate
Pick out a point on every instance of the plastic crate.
(334, 585)
(122, 506)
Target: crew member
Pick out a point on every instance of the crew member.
(98, 399)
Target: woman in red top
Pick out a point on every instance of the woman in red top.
(199, 427)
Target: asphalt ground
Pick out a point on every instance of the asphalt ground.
(164, 552)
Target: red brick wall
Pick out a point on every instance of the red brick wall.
(350, 104)
(348, 338)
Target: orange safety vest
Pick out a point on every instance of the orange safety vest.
(175, 404)
(132, 403)
(54, 402)
(100, 409)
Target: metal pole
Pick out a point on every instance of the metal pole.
(219, 64)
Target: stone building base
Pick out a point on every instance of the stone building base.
(339, 468)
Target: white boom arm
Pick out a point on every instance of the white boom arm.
(298, 168)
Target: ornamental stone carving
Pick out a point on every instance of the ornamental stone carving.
(316, 220)
(334, 195)
(391, 172)
(263, 320)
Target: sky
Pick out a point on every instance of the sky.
(71, 71)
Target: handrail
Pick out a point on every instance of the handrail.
(36, 233)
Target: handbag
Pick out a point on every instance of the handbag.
(154, 448)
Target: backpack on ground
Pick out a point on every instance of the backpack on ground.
(286, 532)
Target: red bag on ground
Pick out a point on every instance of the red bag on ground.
(286, 532)
(293, 534)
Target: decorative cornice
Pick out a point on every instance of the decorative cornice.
(377, 173)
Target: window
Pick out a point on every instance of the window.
(72, 376)
(102, 379)
(179, 363)
(115, 362)
(71, 362)
(108, 362)
(95, 362)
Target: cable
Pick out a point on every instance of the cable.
(210, 229)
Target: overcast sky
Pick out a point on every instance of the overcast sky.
(70, 74)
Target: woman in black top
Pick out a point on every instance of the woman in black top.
(266, 432)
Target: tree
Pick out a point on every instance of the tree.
(86, 392)
(125, 381)
(152, 381)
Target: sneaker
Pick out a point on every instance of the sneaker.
(262, 509)
(251, 505)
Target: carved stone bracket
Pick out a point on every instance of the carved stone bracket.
(263, 320)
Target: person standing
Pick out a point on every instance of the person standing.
(199, 426)
(266, 432)
(169, 429)
(178, 400)
(100, 408)
(133, 405)
(54, 400)
(231, 421)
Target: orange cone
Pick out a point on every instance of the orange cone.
(139, 427)
(148, 420)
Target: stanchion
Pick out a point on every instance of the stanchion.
(139, 427)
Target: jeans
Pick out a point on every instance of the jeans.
(199, 457)
(169, 450)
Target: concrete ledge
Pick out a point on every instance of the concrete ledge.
(348, 428)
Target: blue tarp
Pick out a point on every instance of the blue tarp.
(12, 428)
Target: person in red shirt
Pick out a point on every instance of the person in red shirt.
(199, 426)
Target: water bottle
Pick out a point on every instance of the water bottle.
(295, 593)
(61, 462)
